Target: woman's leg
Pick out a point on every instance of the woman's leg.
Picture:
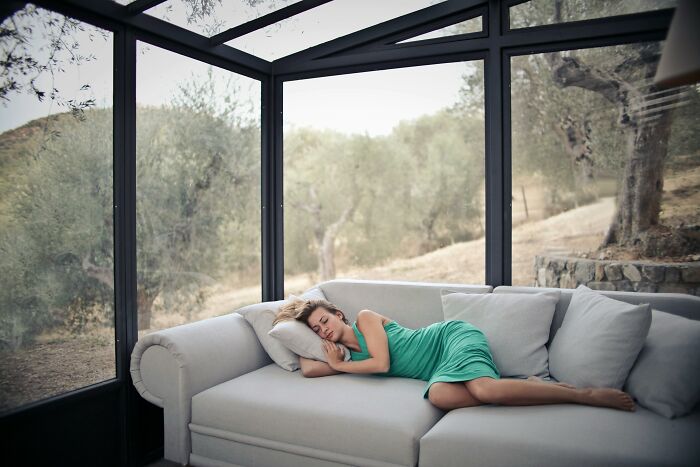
(537, 379)
(520, 392)
(448, 396)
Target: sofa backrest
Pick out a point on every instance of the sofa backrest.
(674, 303)
(411, 304)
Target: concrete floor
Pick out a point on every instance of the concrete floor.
(164, 463)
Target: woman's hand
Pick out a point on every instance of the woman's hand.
(334, 354)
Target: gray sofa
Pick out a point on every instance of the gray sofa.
(226, 403)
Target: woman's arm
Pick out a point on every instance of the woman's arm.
(370, 324)
(314, 368)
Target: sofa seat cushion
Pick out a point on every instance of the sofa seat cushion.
(567, 434)
(339, 417)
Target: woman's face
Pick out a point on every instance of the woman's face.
(326, 324)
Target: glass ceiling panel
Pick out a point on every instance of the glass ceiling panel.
(323, 23)
(210, 17)
(463, 27)
(541, 12)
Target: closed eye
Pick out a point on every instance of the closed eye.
(316, 329)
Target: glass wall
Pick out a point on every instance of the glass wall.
(384, 176)
(543, 12)
(606, 170)
(197, 188)
(322, 24)
(56, 224)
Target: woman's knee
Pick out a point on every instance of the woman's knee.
(438, 394)
(484, 389)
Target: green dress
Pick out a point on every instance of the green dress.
(447, 351)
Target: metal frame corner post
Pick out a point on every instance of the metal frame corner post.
(271, 181)
(497, 202)
(126, 319)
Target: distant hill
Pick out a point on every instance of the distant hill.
(15, 143)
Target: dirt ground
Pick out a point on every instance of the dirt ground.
(52, 367)
(56, 364)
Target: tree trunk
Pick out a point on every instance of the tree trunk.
(639, 200)
(647, 129)
(576, 138)
(144, 307)
(429, 241)
(145, 296)
(326, 249)
(325, 236)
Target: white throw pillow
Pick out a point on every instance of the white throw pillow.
(598, 341)
(666, 377)
(300, 339)
(261, 315)
(515, 325)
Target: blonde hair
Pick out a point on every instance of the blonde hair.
(300, 310)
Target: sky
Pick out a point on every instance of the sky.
(307, 29)
(369, 102)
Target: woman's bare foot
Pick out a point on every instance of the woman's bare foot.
(537, 379)
(607, 397)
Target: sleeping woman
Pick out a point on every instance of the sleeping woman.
(452, 356)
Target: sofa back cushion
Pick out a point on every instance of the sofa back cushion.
(516, 326)
(666, 376)
(684, 305)
(411, 304)
(599, 340)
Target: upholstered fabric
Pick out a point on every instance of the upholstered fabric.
(598, 341)
(300, 339)
(516, 326)
(674, 303)
(241, 450)
(413, 304)
(666, 376)
(168, 367)
(219, 366)
(364, 416)
(261, 315)
(570, 435)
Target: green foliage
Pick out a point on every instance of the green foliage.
(59, 215)
(416, 190)
(198, 201)
(198, 183)
(26, 62)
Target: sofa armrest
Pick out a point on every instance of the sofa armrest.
(169, 367)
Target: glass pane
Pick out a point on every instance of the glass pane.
(56, 239)
(606, 169)
(390, 188)
(323, 23)
(210, 17)
(197, 189)
(463, 27)
(541, 12)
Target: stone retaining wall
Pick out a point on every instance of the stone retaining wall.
(632, 276)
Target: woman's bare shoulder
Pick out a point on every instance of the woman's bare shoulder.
(369, 314)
